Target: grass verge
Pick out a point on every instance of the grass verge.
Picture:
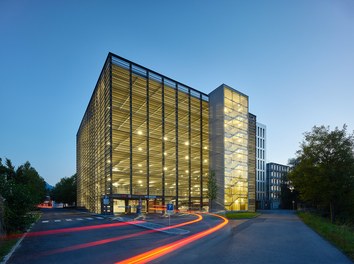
(6, 245)
(240, 215)
(341, 236)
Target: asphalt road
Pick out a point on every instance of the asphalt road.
(93, 239)
(274, 237)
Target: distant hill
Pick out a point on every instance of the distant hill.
(48, 186)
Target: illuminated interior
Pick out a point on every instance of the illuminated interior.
(153, 138)
(148, 140)
(236, 150)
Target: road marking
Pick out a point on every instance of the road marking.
(70, 220)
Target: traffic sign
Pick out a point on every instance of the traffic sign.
(105, 200)
(169, 209)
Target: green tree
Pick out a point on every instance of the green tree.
(212, 188)
(28, 176)
(22, 190)
(323, 170)
(65, 190)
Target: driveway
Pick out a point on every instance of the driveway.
(274, 237)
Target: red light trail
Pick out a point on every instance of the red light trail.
(161, 251)
(72, 229)
(114, 239)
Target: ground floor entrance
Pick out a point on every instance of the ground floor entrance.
(132, 204)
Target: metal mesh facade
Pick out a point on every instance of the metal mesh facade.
(232, 138)
(252, 162)
(150, 146)
(144, 142)
(93, 146)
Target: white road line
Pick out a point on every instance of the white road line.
(68, 220)
(56, 221)
(45, 221)
(89, 218)
(98, 217)
(80, 219)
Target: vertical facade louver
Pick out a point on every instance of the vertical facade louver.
(144, 140)
(147, 140)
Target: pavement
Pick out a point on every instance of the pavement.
(157, 222)
(274, 237)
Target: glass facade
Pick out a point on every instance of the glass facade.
(236, 150)
(148, 140)
(232, 150)
(276, 173)
(153, 142)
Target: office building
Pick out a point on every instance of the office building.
(146, 139)
(276, 176)
(261, 176)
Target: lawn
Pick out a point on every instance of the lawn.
(240, 215)
(6, 246)
(342, 236)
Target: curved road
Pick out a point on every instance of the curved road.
(273, 237)
(69, 236)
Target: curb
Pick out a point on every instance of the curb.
(8, 256)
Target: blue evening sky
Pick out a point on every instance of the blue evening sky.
(295, 60)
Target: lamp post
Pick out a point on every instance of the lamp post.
(292, 196)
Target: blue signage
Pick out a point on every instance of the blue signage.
(169, 207)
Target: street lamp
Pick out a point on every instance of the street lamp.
(293, 202)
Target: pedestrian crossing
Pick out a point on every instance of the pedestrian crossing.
(72, 219)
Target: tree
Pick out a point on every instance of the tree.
(212, 188)
(22, 190)
(28, 176)
(65, 190)
(323, 170)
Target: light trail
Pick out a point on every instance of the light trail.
(73, 229)
(114, 239)
(161, 251)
